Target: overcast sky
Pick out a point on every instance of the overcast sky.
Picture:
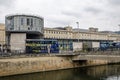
(102, 14)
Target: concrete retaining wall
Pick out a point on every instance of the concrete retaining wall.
(38, 64)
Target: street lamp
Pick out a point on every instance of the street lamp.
(78, 29)
(77, 24)
(119, 32)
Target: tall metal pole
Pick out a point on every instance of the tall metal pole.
(119, 37)
(78, 29)
(119, 32)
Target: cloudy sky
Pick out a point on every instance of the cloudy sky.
(102, 14)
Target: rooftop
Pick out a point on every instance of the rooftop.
(29, 15)
(80, 30)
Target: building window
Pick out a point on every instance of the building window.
(39, 22)
(28, 28)
(35, 22)
(31, 22)
(28, 22)
(22, 21)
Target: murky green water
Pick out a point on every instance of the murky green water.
(106, 72)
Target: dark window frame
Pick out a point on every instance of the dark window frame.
(28, 21)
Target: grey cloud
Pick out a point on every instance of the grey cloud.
(67, 12)
(114, 2)
(6, 3)
(61, 22)
(93, 10)
(73, 14)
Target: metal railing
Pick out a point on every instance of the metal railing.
(90, 51)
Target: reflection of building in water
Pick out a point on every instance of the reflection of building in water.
(97, 71)
(52, 75)
(106, 70)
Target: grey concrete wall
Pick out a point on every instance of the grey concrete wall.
(17, 41)
(38, 64)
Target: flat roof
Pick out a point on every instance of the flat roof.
(28, 15)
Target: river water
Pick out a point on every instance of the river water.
(106, 72)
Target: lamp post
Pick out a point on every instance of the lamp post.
(119, 37)
(119, 32)
(78, 29)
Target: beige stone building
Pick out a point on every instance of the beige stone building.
(2, 34)
(77, 39)
(58, 33)
(69, 33)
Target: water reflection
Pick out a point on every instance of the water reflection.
(106, 72)
(113, 78)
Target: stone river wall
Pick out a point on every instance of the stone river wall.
(38, 64)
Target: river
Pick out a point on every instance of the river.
(105, 72)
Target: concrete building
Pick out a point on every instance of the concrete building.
(2, 34)
(20, 27)
(79, 34)
(79, 37)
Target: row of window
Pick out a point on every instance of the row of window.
(82, 34)
(64, 37)
(30, 21)
(74, 38)
(56, 32)
(80, 37)
(58, 37)
(91, 38)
